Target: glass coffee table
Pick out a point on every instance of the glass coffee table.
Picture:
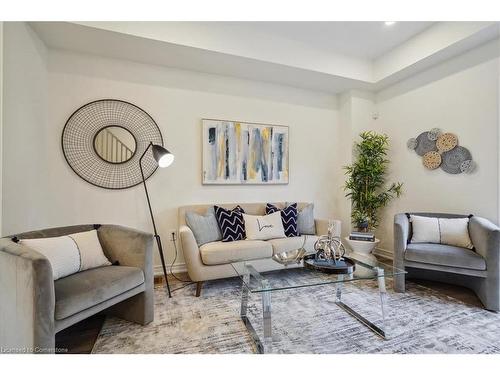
(255, 280)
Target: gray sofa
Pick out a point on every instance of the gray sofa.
(34, 307)
(477, 269)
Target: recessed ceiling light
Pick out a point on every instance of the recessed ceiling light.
(389, 23)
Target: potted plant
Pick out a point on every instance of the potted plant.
(366, 181)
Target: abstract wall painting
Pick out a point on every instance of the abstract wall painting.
(244, 153)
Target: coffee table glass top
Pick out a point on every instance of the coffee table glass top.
(281, 279)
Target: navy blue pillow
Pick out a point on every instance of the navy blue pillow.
(288, 217)
(231, 223)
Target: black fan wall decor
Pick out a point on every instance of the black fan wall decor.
(103, 140)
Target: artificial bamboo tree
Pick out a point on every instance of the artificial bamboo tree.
(366, 180)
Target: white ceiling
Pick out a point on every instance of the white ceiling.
(329, 57)
(367, 40)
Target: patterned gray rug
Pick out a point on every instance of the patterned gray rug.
(306, 321)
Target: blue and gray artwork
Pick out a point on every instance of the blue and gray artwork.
(244, 153)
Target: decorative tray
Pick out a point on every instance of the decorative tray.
(344, 266)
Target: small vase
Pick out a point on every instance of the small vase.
(363, 226)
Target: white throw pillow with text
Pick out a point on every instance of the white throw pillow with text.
(264, 227)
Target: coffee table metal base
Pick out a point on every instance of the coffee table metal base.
(264, 345)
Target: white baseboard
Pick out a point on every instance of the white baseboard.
(383, 253)
(177, 268)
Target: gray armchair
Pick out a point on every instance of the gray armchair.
(34, 307)
(478, 270)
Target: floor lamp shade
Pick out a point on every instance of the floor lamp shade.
(162, 156)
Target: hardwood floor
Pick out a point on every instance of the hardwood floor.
(80, 338)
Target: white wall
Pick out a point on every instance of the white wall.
(42, 88)
(1, 117)
(177, 105)
(464, 103)
(25, 106)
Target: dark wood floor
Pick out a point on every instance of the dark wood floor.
(80, 338)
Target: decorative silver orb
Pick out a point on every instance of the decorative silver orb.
(434, 134)
(329, 248)
(412, 143)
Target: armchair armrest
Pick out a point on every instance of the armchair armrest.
(27, 299)
(401, 233)
(322, 227)
(130, 247)
(485, 237)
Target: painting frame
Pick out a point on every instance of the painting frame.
(273, 138)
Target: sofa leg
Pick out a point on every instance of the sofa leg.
(198, 288)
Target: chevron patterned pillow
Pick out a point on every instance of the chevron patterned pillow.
(288, 217)
(231, 223)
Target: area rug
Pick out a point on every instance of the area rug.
(306, 321)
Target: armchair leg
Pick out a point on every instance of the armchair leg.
(198, 288)
(399, 283)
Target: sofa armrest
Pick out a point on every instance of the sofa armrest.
(130, 247)
(191, 253)
(27, 299)
(485, 237)
(322, 227)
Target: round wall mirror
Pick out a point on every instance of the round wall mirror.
(115, 144)
(103, 140)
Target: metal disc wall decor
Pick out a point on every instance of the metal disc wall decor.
(446, 142)
(442, 150)
(425, 144)
(432, 160)
(453, 159)
(103, 140)
(433, 134)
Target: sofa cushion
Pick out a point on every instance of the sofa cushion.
(281, 245)
(444, 255)
(205, 227)
(231, 223)
(88, 288)
(305, 220)
(264, 227)
(228, 252)
(288, 217)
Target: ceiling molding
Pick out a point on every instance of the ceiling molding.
(274, 59)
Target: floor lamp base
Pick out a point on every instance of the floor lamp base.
(160, 249)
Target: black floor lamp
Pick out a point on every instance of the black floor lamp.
(164, 158)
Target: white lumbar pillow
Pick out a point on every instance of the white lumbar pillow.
(91, 253)
(454, 232)
(70, 254)
(424, 229)
(61, 252)
(264, 227)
